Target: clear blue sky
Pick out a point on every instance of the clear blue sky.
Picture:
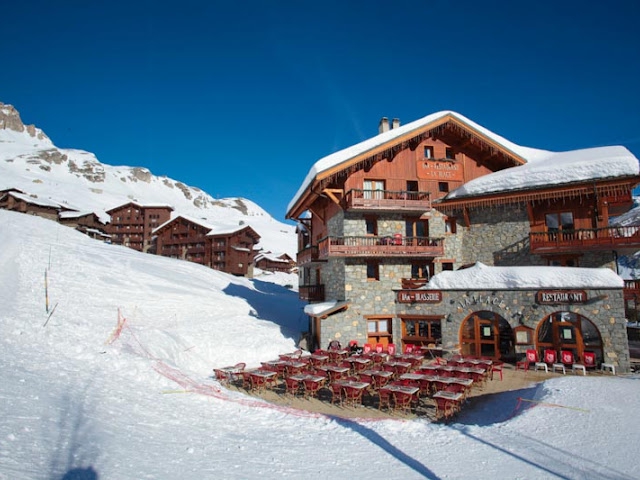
(241, 98)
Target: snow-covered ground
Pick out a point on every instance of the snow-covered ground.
(81, 400)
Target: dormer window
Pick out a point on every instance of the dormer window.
(428, 152)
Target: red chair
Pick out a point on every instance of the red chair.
(497, 368)
(384, 398)
(409, 348)
(589, 359)
(353, 396)
(402, 402)
(292, 387)
(569, 360)
(336, 393)
(391, 349)
(311, 388)
(379, 348)
(550, 356)
(366, 348)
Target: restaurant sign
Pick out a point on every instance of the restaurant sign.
(440, 170)
(419, 296)
(552, 297)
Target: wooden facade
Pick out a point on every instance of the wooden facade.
(229, 250)
(132, 224)
(381, 220)
(21, 202)
(274, 263)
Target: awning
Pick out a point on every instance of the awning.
(324, 309)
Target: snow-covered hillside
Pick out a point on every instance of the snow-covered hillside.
(31, 162)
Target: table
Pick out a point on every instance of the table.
(335, 371)
(227, 374)
(261, 378)
(447, 403)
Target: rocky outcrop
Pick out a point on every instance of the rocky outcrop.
(10, 119)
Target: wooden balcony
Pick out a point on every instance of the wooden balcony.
(373, 200)
(307, 255)
(606, 238)
(311, 293)
(374, 246)
(632, 290)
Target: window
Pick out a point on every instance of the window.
(563, 261)
(374, 189)
(447, 266)
(421, 331)
(443, 187)
(373, 271)
(421, 270)
(559, 221)
(412, 186)
(371, 225)
(450, 154)
(450, 225)
(428, 152)
(417, 231)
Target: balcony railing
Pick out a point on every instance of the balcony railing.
(605, 238)
(375, 246)
(632, 290)
(307, 255)
(388, 200)
(311, 293)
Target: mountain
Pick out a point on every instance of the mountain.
(30, 161)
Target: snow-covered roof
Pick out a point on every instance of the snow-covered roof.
(324, 308)
(482, 277)
(542, 167)
(74, 214)
(271, 257)
(555, 168)
(43, 202)
(141, 205)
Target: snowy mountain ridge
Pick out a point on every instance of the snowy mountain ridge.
(30, 161)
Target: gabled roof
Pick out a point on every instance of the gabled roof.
(140, 205)
(41, 202)
(379, 145)
(189, 219)
(212, 230)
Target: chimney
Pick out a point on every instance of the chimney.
(383, 126)
(395, 123)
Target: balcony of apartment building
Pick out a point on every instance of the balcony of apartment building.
(375, 200)
(307, 255)
(311, 293)
(604, 238)
(380, 246)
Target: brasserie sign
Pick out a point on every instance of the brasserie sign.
(419, 296)
(552, 297)
(440, 170)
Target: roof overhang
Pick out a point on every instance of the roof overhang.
(324, 309)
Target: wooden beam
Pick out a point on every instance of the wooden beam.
(316, 214)
(332, 192)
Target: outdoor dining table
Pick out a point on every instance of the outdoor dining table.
(334, 371)
(260, 379)
(230, 373)
(447, 403)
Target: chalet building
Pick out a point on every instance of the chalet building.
(380, 221)
(274, 263)
(75, 219)
(132, 224)
(228, 249)
(17, 201)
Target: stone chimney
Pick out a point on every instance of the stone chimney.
(383, 126)
(395, 123)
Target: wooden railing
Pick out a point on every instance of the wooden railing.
(307, 255)
(604, 238)
(388, 200)
(375, 246)
(632, 290)
(311, 293)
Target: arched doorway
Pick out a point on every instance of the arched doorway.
(486, 334)
(569, 331)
